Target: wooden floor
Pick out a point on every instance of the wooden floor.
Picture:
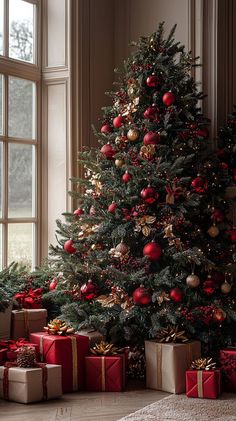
(83, 406)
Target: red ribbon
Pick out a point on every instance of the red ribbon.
(31, 299)
(9, 365)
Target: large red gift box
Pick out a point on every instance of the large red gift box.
(203, 383)
(67, 351)
(228, 367)
(105, 374)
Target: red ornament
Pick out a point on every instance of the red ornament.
(150, 113)
(152, 251)
(223, 166)
(149, 195)
(218, 215)
(232, 234)
(68, 246)
(168, 98)
(112, 207)
(152, 81)
(151, 138)
(53, 284)
(219, 315)
(203, 133)
(209, 286)
(78, 212)
(106, 129)
(108, 151)
(199, 184)
(126, 177)
(118, 121)
(142, 296)
(89, 290)
(176, 294)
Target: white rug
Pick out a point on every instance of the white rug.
(181, 408)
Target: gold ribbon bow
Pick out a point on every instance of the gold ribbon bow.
(172, 334)
(203, 364)
(58, 327)
(104, 348)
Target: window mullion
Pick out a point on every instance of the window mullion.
(6, 29)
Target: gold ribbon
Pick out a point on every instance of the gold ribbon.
(26, 322)
(199, 384)
(103, 374)
(159, 366)
(74, 362)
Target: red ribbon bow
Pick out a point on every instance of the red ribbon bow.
(31, 299)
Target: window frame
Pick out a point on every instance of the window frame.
(32, 72)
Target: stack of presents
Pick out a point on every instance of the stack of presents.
(41, 360)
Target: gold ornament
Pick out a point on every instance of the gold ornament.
(203, 364)
(122, 248)
(225, 287)
(143, 224)
(119, 163)
(147, 152)
(172, 334)
(117, 296)
(86, 230)
(163, 297)
(213, 231)
(192, 281)
(104, 348)
(133, 135)
(58, 327)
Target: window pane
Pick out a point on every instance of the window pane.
(21, 181)
(21, 30)
(20, 243)
(1, 26)
(21, 110)
(1, 104)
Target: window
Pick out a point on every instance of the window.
(20, 84)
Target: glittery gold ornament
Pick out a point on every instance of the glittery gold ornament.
(58, 327)
(213, 231)
(172, 334)
(122, 248)
(192, 281)
(225, 287)
(203, 364)
(119, 163)
(104, 348)
(133, 135)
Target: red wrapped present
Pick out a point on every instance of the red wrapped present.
(31, 299)
(203, 384)
(67, 351)
(27, 321)
(105, 374)
(228, 366)
(3, 355)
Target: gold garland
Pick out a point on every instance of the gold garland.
(104, 348)
(172, 334)
(203, 364)
(58, 327)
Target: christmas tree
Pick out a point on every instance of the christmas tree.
(150, 244)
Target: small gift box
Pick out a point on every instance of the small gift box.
(13, 346)
(203, 380)
(67, 351)
(105, 373)
(166, 363)
(25, 385)
(5, 323)
(227, 361)
(26, 321)
(93, 335)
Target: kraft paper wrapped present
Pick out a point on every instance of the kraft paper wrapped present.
(203, 383)
(5, 323)
(93, 335)
(166, 364)
(27, 321)
(25, 385)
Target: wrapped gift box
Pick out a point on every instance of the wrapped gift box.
(166, 364)
(14, 345)
(3, 355)
(105, 374)
(227, 360)
(27, 321)
(25, 385)
(5, 323)
(203, 384)
(93, 335)
(67, 351)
